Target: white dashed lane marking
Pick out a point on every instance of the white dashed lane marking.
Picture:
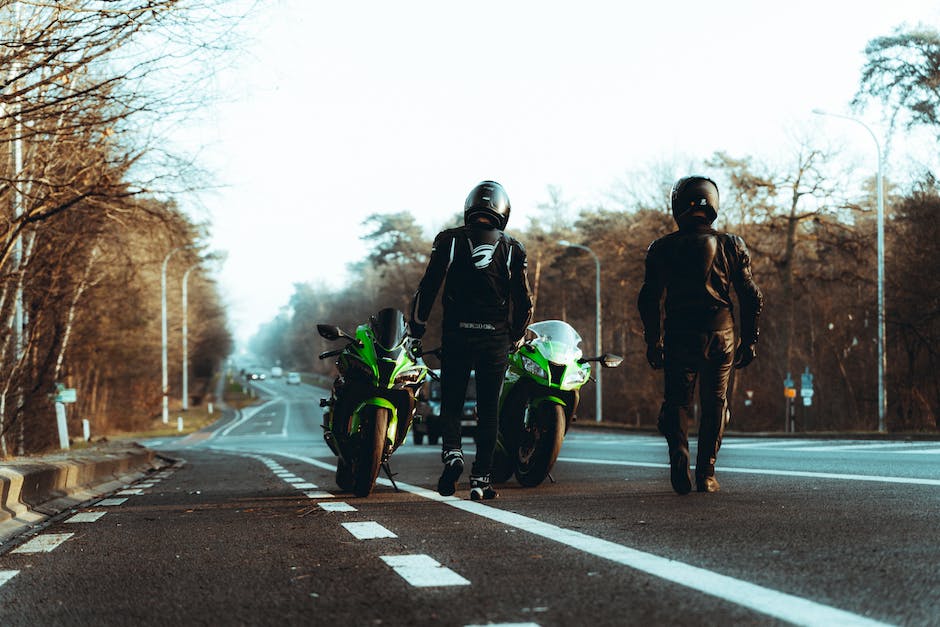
(297, 482)
(337, 507)
(44, 543)
(319, 495)
(423, 571)
(132, 492)
(368, 530)
(110, 502)
(786, 607)
(7, 575)
(86, 517)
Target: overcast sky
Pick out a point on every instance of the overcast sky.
(344, 109)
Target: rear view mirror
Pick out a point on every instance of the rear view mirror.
(331, 332)
(328, 331)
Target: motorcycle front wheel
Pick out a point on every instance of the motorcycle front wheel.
(540, 446)
(373, 429)
(344, 476)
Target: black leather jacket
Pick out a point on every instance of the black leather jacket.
(695, 268)
(483, 271)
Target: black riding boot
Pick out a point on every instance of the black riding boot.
(705, 474)
(670, 425)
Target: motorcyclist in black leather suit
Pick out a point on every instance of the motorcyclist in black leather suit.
(695, 268)
(486, 306)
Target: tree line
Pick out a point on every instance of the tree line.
(810, 222)
(89, 210)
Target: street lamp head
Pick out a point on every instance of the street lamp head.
(564, 242)
(819, 111)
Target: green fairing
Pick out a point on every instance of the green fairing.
(378, 402)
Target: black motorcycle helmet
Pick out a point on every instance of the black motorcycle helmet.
(695, 192)
(490, 199)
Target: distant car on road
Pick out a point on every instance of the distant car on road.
(277, 372)
(255, 375)
(293, 378)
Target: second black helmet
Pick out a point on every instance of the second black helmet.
(489, 199)
(695, 192)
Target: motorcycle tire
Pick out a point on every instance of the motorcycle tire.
(373, 430)
(539, 449)
(344, 476)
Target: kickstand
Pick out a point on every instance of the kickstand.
(551, 478)
(391, 477)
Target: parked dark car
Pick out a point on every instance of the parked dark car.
(430, 411)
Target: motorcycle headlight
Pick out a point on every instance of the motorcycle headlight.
(409, 377)
(575, 376)
(533, 368)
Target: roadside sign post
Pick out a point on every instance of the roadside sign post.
(806, 387)
(63, 395)
(62, 425)
(789, 393)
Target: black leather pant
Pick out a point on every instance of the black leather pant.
(707, 358)
(488, 355)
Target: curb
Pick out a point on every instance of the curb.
(33, 489)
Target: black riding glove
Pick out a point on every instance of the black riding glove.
(745, 355)
(416, 329)
(655, 356)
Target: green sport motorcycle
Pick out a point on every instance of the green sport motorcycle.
(372, 401)
(539, 397)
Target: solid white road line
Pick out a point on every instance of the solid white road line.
(763, 471)
(368, 530)
(7, 575)
(110, 502)
(506, 625)
(864, 447)
(245, 417)
(752, 596)
(423, 571)
(86, 517)
(287, 405)
(44, 543)
(337, 507)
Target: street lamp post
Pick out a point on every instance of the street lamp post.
(599, 405)
(882, 360)
(163, 343)
(186, 338)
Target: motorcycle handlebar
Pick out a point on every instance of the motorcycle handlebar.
(332, 353)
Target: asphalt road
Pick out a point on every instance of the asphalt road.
(249, 529)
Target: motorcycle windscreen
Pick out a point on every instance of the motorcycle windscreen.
(556, 340)
(388, 328)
